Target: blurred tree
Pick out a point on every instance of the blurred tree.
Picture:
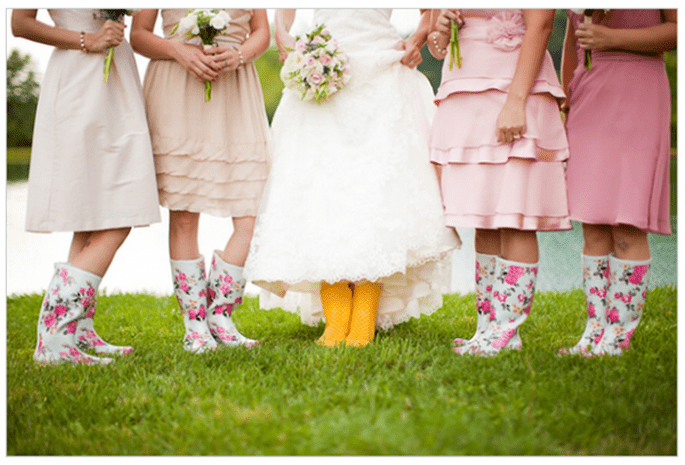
(22, 99)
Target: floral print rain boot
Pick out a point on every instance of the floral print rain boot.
(86, 337)
(63, 306)
(512, 298)
(190, 287)
(226, 288)
(626, 296)
(595, 283)
(485, 277)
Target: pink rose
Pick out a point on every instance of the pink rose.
(211, 293)
(488, 288)
(63, 273)
(617, 295)
(228, 278)
(627, 298)
(591, 311)
(60, 310)
(86, 302)
(485, 305)
(638, 273)
(592, 290)
(513, 274)
(50, 320)
(315, 79)
(506, 30)
(612, 315)
(318, 40)
(599, 338)
(521, 297)
(82, 290)
(184, 286)
(90, 313)
(181, 276)
(300, 46)
(644, 294)
(73, 351)
(527, 309)
(192, 313)
(91, 291)
(225, 289)
(239, 301)
(202, 312)
(71, 327)
(503, 339)
(502, 297)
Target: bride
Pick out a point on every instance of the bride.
(351, 226)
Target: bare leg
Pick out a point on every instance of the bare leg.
(238, 245)
(98, 250)
(488, 241)
(630, 243)
(183, 233)
(597, 240)
(519, 246)
(77, 243)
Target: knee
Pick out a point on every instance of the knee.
(183, 223)
(244, 226)
(487, 240)
(627, 237)
(598, 239)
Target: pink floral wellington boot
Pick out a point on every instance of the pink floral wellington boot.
(63, 307)
(226, 288)
(485, 278)
(512, 297)
(86, 337)
(595, 284)
(190, 287)
(625, 302)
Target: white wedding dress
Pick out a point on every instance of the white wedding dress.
(351, 194)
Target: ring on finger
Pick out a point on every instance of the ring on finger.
(225, 63)
(516, 136)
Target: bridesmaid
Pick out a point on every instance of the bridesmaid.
(618, 123)
(211, 157)
(499, 142)
(91, 171)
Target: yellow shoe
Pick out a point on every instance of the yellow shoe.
(364, 309)
(337, 307)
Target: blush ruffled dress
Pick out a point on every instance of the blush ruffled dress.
(485, 183)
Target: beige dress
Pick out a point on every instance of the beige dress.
(210, 157)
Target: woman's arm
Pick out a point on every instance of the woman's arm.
(412, 46)
(511, 123)
(25, 24)
(569, 61)
(648, 39)
(439, 31)
(283, 21)
(150, 45)
(229, 57)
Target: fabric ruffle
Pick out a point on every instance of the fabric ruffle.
(464, 130)
(519, 194)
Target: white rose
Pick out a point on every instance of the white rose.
(195, 30)
(186, 24)
(225, 16)
(217, 22)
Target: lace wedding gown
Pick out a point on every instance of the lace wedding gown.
(351, 194)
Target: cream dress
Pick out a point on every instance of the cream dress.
(91, 159)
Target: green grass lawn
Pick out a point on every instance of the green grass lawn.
(405, 394)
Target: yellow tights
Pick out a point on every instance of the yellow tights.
(337, 307)
(364, 310)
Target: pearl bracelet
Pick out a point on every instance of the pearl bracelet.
(436, 46)
(240, 54)
(83, 42)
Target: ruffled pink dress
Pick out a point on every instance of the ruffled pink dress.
(487, 184)
(618, 131)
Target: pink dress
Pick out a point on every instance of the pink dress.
(618, 131)
(485, 183)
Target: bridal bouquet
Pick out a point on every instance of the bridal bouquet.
(114, 15)
(205, 24)
(316, 68)
(587, 19)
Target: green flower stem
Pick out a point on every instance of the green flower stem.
(109, 58)
(455, 53)
(208, 91)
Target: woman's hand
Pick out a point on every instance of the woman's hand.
(443, 26)
(110, 34)
(192, 58)
(594, 37)
(412, 55)
(284, 41)
(226, 57)
(511, 122)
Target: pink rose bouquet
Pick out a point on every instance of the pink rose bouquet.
(114, 15)
(205, 24)
(317, 68)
